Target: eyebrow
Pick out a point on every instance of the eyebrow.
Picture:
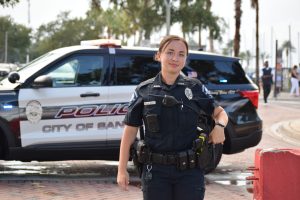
(174, 50)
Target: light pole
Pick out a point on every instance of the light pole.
(168, 15)
(290, 48)
(27, 50)
(5, 48)
(299, 48)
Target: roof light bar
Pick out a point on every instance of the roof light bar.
(102, 43)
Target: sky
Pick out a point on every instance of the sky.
(276, 16)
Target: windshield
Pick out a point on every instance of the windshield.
(35, 66)
(216, 72)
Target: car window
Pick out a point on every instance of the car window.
(216, 72)
(131, 70)
(81, 70)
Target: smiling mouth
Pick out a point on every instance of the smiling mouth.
(173, 65)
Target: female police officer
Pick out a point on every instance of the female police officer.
(169, 128)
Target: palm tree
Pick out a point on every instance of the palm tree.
(194, 16)
(216, 26)
(255, 5)
(247, 56)
(95, 4)
(237, 36)
(263, 57)
(228, 48)
(288, 47)
(8, 3)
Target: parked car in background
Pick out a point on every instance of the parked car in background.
(5, 68)
(70, 102)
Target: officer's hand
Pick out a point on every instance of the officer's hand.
(123, 179)
(217, 135)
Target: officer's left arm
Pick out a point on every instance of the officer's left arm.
(217, 135)
(218, 114)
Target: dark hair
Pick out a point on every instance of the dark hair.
(295, 67)
(169, 38)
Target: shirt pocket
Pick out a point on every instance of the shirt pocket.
(188, 119)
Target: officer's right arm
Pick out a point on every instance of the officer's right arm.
(129, 135)
(132, 120)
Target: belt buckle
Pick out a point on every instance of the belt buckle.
(164, 159)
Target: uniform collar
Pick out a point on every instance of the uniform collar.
(158, 83)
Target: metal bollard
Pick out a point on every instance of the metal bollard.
(251, 179)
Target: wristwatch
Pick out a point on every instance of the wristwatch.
(220, 124)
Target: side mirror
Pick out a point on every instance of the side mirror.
(13, 77)
(42, 81)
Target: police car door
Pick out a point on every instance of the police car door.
(71, 111)
(131, 68)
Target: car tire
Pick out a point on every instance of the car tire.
(1, 148)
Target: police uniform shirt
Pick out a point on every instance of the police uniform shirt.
(267, 71)
(169, 128)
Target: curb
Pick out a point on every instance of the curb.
(291, 129)
(284, 131)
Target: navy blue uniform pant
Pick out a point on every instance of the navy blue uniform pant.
(169, 183)
(267, 90)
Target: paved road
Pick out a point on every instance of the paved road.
(96, 179)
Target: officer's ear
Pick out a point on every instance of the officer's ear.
(157, 56)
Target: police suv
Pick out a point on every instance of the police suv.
(70, 102)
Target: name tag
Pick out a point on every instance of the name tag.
(149, 103)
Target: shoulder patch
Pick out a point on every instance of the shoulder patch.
(133, 98)
(205, 90)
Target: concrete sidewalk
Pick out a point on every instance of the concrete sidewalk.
(282, 96)
(286, 130)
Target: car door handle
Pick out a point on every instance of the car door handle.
(90, 95)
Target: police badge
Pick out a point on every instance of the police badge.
(188, 93)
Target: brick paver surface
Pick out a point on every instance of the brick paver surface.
(65, 190)
(96, 190)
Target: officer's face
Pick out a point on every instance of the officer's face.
(173, 57)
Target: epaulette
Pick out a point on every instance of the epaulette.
(144, 83)
(192, 81)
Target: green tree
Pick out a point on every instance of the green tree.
(67, 32)
(5, 3)
(288, 48)
(93, 20)
(117, 24)
(263, 57)
(196, 16)
(215, 25)
(16, 38)
(246, 56)
(183, 15)
(114, 22)
(145, 16)
(95, 5)
(228, 49)
(63, 32)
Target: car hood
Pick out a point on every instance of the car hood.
(5, 85)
